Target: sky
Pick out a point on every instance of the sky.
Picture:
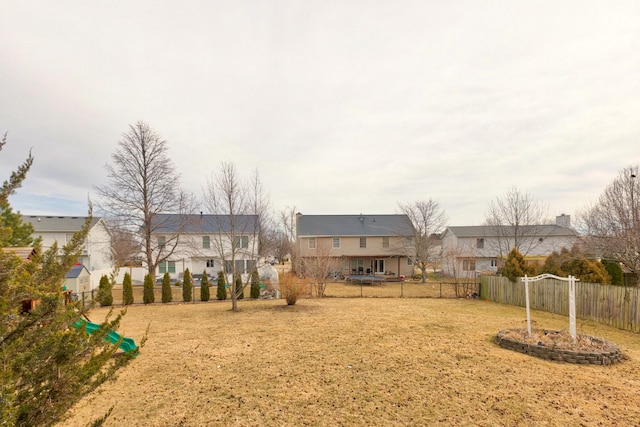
(342, 106)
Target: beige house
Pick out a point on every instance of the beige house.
(361, 244)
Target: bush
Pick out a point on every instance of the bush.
(515, 266)
(255, 284)
(147, 295)
(238, 288)
(615, 272)
(291, 287)
(127, 290)
(104, 297)
(167, 295)
(187, 286)
(221, 291)
(205, 293)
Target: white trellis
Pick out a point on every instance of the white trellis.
(572, 299)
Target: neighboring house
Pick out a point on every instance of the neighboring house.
(363, 244)
(204, 243)
(96, 252)
(470, 249)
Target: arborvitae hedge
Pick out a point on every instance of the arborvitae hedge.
(187, 287)
(205, 294)
(147, 296)
(167, 295)
(127, 290)
(239, 290)
(221, 291)
(104, 297)
(255, 284)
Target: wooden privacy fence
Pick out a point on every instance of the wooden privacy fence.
(607, 304)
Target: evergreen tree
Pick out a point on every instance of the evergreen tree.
(13, 232)
(167, 295)
(615, 272)
(205, 293)
(255, 284)
(239, 288)
(104, 297)
(221, 291)
(46, 364)
(187, 286)
(515, 266)
(127, 290)
(148, 296)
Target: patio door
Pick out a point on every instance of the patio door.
(378, 266)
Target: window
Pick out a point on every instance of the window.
(409, 261)
(480, 243)
(494, 263)
(167, 267)
(363, 242)
(161, 241)
(336, 243)
(385, 242)
(206, 242)
(242, 242)
(468, 265)
(211, 263)
(312, 242)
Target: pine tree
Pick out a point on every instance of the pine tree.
(239, 288)
(167, 295)
(205, 293)
(187, 286)
(148, 296)
(104, 297)
(127, 290)
(515, 266)
(221, 291)
(255, 284)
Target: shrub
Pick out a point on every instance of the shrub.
(615, 272)
(515, 266)
(187, 286)
(167, 295)
(221, 291)
(205, 293)
(291, 287)
(147, 295)
(127, 290)
(255, 284)
(239, 288)
(104, 297)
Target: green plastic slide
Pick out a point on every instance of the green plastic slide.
(126, 344)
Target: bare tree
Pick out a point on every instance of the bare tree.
(286, 235)
(611, 225)
(428, 220)
(125, 249)
(517, 221)
(319, 267)
(143, 183)
(453, 261)
(238, 207)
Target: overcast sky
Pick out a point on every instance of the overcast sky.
(343, 107)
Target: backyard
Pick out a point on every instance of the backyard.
(352, 362)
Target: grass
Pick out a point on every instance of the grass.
(354, 362)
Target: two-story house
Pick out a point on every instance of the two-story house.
(362, 244)
(205, 243)
(470, 249)
(96, 252)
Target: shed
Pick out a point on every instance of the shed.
(78, 279)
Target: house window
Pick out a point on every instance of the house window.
(468, 265)
(480, 243)
(206, 242)
(336, 243)
(494, 263)
(211, 263)
(161, 241)
(167, 267)
(363, 242)
(242, 242)
(409, 261)
(312, 242)
(385, 242)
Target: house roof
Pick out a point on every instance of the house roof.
(507, 230)
(57, 224)
(173, 223)
(354, 225)
(24, 253)
(75, 271)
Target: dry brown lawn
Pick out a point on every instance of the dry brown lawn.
(354, 362)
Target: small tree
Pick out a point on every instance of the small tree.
(187, 286)
(167, 295)
(515, 266)
(205, 293)
(104, 297)
(221, 291)
(148, 297)
(127, 290)
(239, 289)
(290, 287)
(255, 284)
(615, 272)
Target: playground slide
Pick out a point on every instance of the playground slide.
(127, 344)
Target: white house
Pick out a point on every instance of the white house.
(96, 252)
(470, 249)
